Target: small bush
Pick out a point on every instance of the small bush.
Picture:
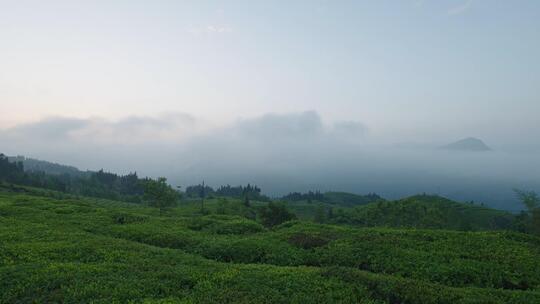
(124, 218)
(307, 241)
(220, 224)
(274, 214)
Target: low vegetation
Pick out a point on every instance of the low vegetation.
(427, 211)
(62, 248)
(89, 243)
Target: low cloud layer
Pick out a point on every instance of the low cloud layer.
(129, 130)
(280, 152)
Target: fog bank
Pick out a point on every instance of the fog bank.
(280, 153)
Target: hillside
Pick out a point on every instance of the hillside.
(467, 144)
(307, 205)
(57, 248)
(427, 211)
(345, 199)
(342, 199)
(36, 165)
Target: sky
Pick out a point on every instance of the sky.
(168, 76)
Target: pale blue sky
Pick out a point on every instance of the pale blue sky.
(413, 68)
(105, 83)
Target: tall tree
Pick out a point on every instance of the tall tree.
(159, 194)
(532, 201)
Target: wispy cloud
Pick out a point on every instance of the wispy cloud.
(460, 9)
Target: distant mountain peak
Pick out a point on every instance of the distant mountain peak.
(467, 144)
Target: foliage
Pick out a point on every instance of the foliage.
(35, 165)
(199, 191)
(274, 214)
(425, 211)
(531, 200)
(159, 194)
(307, 241)
(349, 199)
(310, 195)
(224, 225)
(333, 198)
(320, 214)
(249, 192)
(58, 248)
(10, 171)
(97, 184)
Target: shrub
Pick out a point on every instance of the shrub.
(274, 214)
(224, 225)
(126, 218)
(307, 241)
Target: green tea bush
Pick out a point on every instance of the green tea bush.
(224, 225)
(126, 218)
(87, 256)
(307, 241)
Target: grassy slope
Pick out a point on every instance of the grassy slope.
(425, 211)
(336, 200)
(76, 250)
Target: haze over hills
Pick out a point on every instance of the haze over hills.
(467, 144)
(429, 211)
(36, 165)
(282, 153)
(392, 174)
(307, 151)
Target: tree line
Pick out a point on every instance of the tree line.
(159, 194)
(249, 192)
(101, 184)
